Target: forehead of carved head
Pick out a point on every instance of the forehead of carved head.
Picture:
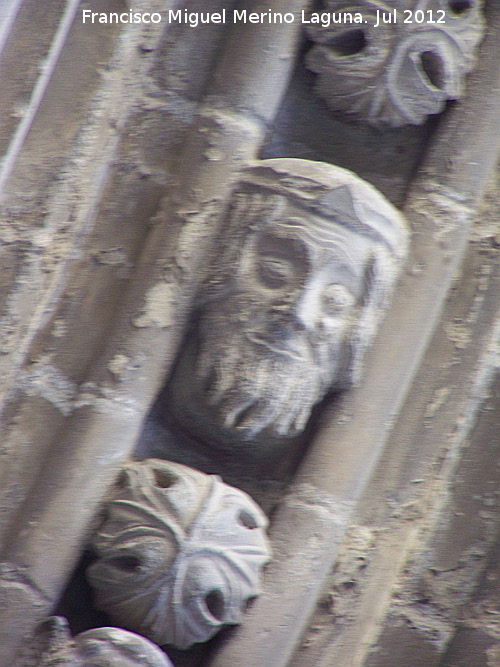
(179, 554)
(397, 62)
(322, 199)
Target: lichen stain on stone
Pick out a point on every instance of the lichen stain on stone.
(493, 655)
(47, 381)
(458, 333)
(159, 307)
(118, 364)
(59, 328)
(439, 397)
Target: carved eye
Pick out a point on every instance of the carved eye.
(336, 299)
(274, 272)
(280, 262)
(127, 563)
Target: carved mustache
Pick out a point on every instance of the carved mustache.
(285, 335)
(266, 371)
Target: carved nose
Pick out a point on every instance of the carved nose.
(306, 310)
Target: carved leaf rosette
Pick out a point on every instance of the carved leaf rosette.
(53, 646)
(400, 62)
(179, 554)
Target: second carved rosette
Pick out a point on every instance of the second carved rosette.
(179, 554)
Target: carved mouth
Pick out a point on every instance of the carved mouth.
(297, 352)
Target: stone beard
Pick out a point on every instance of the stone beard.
(290, 307)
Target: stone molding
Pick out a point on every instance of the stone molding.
(62, 475)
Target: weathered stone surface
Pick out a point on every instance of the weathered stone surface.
(432, 523)
(106, 275)
(179, 554)
(53, 646)
(17, 593)
(344, 452)
(310, 255)
(400, 66)
(109, 388)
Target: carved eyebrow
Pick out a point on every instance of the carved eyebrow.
(292, 222)
(270, 242)
(337, 249)
(336, 253)
(327, 235)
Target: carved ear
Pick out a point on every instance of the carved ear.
(369, 278)
(378, 283)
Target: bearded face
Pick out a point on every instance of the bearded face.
(275, 337)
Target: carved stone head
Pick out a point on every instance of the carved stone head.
(179, 555)
(308, 257)
(393, 62)
(101, 647)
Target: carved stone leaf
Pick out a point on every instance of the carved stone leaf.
(179, 554)
(53, 646)
(398, 72)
